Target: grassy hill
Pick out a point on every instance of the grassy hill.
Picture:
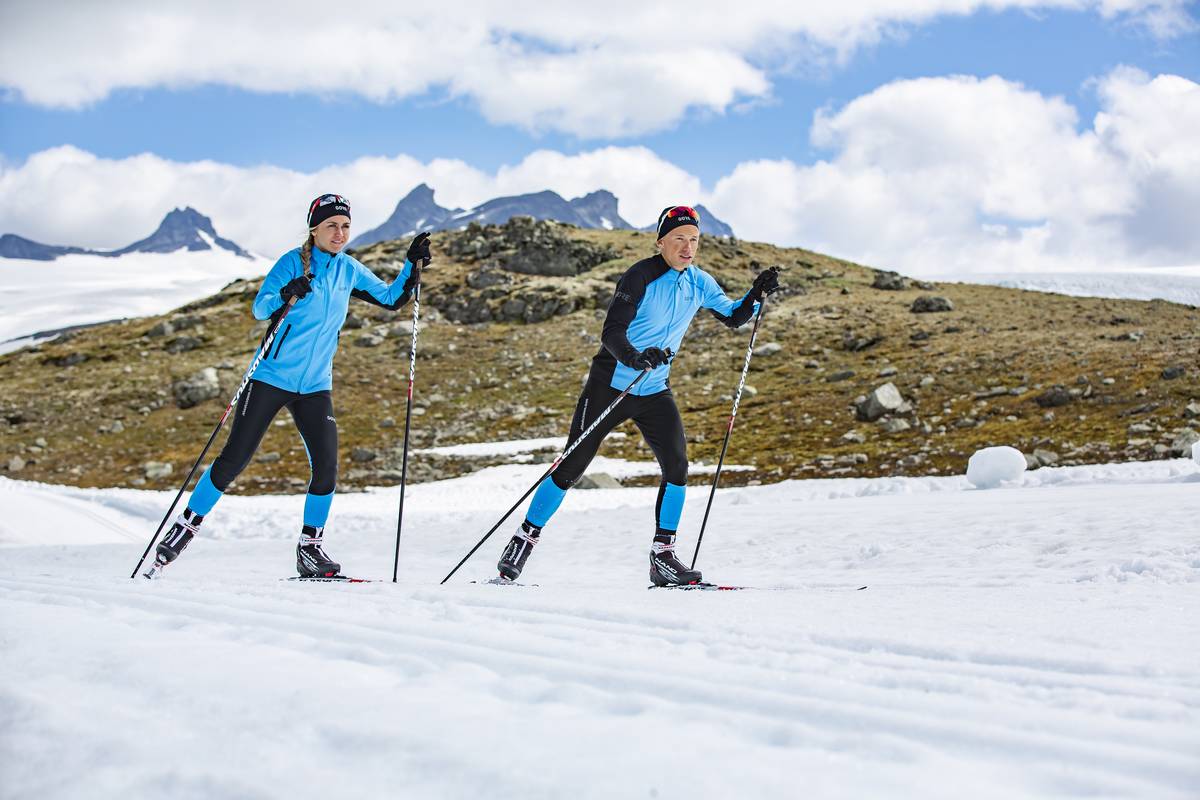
(503, 351)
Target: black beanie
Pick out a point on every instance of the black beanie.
(674, 216)
(326, 206)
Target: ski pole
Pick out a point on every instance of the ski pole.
(737, 398)
(412, 373)
(571, 447)
(262, 351)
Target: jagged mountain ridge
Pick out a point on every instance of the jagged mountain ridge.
(182, 228)
(418, 211)
(13, 246)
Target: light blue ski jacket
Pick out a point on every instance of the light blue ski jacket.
(653, 306)
(301, 357)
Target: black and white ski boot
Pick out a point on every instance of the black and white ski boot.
(516, 553)
(665, 568)
(182, 530)
(311, 559)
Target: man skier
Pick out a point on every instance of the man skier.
(654, 303)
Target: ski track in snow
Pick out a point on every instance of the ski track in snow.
(1033, 641)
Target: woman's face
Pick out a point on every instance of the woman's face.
(332, 234)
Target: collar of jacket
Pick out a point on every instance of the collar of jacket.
(320, 259)
(669, 269)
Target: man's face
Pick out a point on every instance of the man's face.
(679, 247)
(332, 234)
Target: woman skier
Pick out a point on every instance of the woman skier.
(654, 303)
(298, 374)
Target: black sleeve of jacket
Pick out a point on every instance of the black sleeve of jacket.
(621, 311)
(740, 315)
(370, 298)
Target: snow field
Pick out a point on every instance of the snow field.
(1176, 284)
(78, 289)
(1032, 641)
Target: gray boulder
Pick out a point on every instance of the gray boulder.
(1054, 397)
(1182, 445)
(1044, 458)
(368, 340)
(69, 360)
(768, 349)
(927, 304)
(1171, 373)
(599, 480)
(486, 277)
(183, 344)
(163, 328)
(196, 388)
(157, 469)
(884, 400)
(889, 281)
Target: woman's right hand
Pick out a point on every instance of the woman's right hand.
(297, 288)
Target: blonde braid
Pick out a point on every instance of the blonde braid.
(306, 251)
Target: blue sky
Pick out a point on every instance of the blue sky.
(306, 126)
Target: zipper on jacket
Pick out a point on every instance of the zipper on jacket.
(279, 346)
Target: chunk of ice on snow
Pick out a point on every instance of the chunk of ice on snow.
(1196, 452)
(994, 466)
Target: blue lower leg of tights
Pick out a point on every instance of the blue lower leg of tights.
(546, 500)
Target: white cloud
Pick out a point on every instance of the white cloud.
(68, 196)
(626, 68)
(964, 175)
(953, 174)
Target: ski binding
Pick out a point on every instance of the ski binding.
(330, 579)
(500, 580)
(701, 586)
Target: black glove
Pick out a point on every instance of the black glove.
(766, 283)
(413, 277)
(651, 358)
(418, 250)
(297, 288)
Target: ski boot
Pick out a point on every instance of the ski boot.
(182, 530)
(665, 568)
(311, 559)
(517, 551)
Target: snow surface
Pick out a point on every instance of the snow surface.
(1034, 641)
(77, 289)
(995, 466)
(1176, 284)
(522, 449)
